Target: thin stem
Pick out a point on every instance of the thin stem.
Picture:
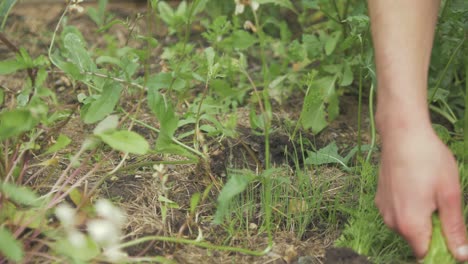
(52, 42)
(359, 139)
(198, 116)
(174, 140)
(442, 113)
(372, 122)
(143, 87)
(195, 243)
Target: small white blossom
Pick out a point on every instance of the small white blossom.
(66, 215)
(107, 210)
(76, 238)
(255, 5)
(240, 5)
(104, 232)
(74, 6)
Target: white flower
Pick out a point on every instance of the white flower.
(254, 5)
(74, 6)
(104, 232)
(240, 5)
(77, 239)
(108, 211)
(66, 215)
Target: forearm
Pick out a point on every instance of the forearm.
(403, 33)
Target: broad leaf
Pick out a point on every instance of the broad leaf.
(331, 42)
(9, 246)
(242, 40)
(15, 122)
(126, 141)
(19, 194)
(78, 53)
(104, 105)
(320, 104)
(61, 142)
(110, 123)
(10, 66)
(234, 186)
(326, 155)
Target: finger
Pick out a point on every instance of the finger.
(417, 232)
(453, 225)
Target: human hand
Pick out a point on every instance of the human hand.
(418, 176)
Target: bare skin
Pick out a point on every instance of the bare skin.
(418, 173)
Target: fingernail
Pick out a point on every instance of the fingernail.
(462, 251)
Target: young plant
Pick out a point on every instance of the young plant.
(438, 250)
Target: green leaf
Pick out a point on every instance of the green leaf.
(242, 40)
(166, 12)
(236, 184)
(5, 7)
(104, 105)
(165, 113)
(11, 66)
(282, 3)
(442, 132)
(438, 250)
(9, 246)
(331, 43)
(326, 155)
(61, 142)
(78, 52)
(347, 76)
(320, 104)
(19, 194)
(169, 203)
(126, 141)
(110, 123)
(78, 252)
(15, 122)
(194, 201)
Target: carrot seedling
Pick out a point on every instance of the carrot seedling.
(438, 251)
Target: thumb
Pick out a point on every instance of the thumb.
(450, 213)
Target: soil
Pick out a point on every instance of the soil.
(137, 191)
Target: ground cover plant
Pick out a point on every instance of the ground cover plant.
(203, 131)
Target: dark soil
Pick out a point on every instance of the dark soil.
(344, 256)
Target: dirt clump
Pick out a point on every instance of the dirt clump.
(344, 256)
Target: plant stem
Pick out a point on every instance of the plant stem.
(372, 121)
(443, 113)
(52, 41)
(359, 139)
(198, 153)
(195, 243)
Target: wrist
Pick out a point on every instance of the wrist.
(394, 119)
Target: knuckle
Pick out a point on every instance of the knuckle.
(456, 228)
(451, 196)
